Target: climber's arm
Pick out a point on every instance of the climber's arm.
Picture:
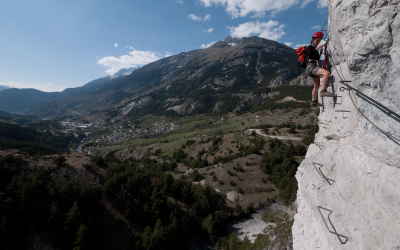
(320, 46)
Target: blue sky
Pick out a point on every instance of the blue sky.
(52, 45)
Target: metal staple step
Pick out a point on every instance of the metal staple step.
(333, 232)
(322, 174)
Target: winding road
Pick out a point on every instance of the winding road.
(280, 137)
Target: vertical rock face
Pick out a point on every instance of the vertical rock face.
(362, 161)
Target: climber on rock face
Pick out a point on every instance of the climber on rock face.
(314, 70)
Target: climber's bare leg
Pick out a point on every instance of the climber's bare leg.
(325, 75)
(315, 82)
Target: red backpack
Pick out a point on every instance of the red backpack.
(301, 53)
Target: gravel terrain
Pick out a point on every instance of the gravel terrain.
(254, 225)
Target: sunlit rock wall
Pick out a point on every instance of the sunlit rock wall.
(363, 161)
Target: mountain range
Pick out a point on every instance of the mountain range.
(232, 75)
(2, 87)
(15, 100)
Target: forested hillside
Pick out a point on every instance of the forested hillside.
(165, 213)
(16, 137)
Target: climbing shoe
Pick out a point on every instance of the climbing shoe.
(315, 103)
(325, 93)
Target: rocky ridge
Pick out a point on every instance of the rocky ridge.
(197, 80)
(357, 147)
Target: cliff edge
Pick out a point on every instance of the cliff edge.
(353, 167)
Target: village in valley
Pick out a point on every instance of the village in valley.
(104, 134)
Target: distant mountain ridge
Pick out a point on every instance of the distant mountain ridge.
(232, 75)
(15, 100)
(2, 87)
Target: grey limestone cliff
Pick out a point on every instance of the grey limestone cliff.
(357, 146)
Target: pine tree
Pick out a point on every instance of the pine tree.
(81, 242)
(208, 224)
(73, 214)
(292, 129)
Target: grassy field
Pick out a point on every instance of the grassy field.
(239, 137)
(195, 126)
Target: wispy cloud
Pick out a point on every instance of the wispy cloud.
(168, 54)
(242, 8)
(46, 87)
(179, 1)
(316, 27)
(205, 46)
(209, 30)
(129, 47)
(133, 59)
(269, 30)
(115, 45)
(197, 18)
(258, 15)
(299, 45)
(207, 17)
(322, 4)
(194, 17)
(288, 44)
(305, 2)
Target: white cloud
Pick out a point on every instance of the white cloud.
(207, 17)
(205, 46)
(115, 45)
(179, 1)
(194, 17)
(242, 8)
(288, 44)
(305, 2)
(306, 44)
(168, 54)
(133, 59)
(299, 45)
(322, 4)
(129, 47)
(316, 27)
(209, 30)
(269, 30)
(258, 15)
(46, 87)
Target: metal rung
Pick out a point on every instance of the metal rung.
(342, 111)
(345, 81)
(322, 174)
(319, 145)
(333, 232)
(323, 26)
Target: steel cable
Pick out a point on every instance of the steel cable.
(341, 76)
